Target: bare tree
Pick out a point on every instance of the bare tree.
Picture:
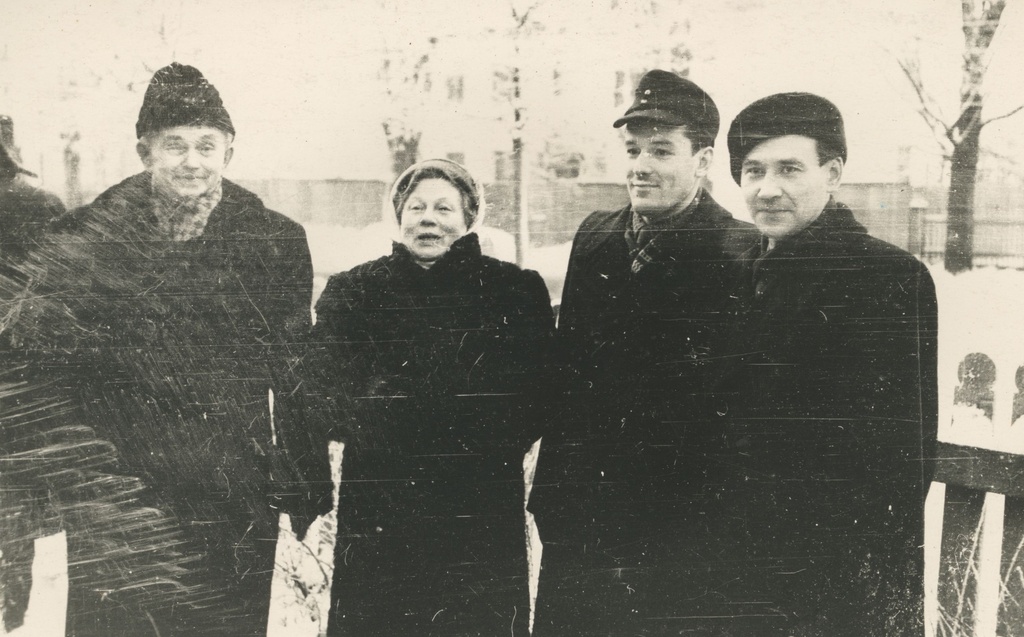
(508, 81)
(405, 74)
(960, 139)
(667, 25)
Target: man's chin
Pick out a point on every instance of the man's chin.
(645, 206)
(179, 190)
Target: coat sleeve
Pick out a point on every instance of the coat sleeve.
(563, 422)
(534, 346)
(301, 470)
(894, 427)
(336, 356)
(568, 310)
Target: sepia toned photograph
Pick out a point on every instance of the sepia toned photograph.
(515, 317)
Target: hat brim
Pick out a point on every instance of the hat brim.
(9, 167)
(652, 115)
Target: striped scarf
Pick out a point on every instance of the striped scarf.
(642, 235)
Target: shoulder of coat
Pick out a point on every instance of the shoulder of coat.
(364, 273)
(883, 254)
(605, 220)
(600, 226)
(256, 217)
(506, 273)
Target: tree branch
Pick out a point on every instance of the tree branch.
(1003, 116)
(925, 102)
(521, 20)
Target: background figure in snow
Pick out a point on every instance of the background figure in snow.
(441, 352)
(624, 488)
(166, 313)
(832, 417)
(25, 212)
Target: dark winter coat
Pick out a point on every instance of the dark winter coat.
(444, 368)
(831, 414)
(621, 486)
(167, 352)
(25, 211)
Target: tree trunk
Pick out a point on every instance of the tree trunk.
(405, 152)
(519, 203)
(963, 171)
(980, 21)
(72, 181)
(518, 176)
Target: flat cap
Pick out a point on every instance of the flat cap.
(665, 97)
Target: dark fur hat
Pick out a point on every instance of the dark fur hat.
(179, 95)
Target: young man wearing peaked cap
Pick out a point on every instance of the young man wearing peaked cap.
(622, 486)
(830, 407)
(170, 308)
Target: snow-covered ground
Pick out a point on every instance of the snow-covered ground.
(980, 311)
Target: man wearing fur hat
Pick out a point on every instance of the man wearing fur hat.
(169, 314)
(831, 411)
(621, 487)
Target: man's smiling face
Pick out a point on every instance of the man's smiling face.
(664, 169)
(186, 161)
(786, 186)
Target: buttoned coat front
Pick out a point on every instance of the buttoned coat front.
(444, 373)
(165, 353)
(622, 485)
(830, 410)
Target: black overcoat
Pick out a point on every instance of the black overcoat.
(167, 352)
(830, 408)
(444, 368)
(25, 212)
(621, 484)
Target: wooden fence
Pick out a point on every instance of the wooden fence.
(975, 525)
(997, 242)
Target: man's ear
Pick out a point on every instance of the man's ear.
(705, 157)
(142, 148)
(228, 154)
(835, 173)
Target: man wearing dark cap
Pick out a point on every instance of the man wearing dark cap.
(830, 408)
(25, 210)
(169, 313)
(621, 486)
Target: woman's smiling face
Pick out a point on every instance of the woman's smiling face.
(432, 219)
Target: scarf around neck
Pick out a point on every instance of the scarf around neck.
(642, 235)
(183, 218)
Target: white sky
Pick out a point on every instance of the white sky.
(299, 77)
